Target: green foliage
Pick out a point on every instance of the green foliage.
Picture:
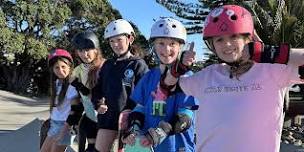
(30, 28)
(275, 20)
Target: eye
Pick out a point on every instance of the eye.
(160, 25)
(218, 40)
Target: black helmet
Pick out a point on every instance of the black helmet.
(85, 40)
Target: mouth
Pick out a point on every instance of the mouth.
(228, 52)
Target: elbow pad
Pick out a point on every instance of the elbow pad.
(73, 119)
(77, 108)
(261, 53)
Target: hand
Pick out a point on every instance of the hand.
(123, 119)
(130, 139)
(188, 57)
(182, 65)
(159, 134)
(103, 108)
(146, 141)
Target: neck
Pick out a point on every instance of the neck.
(124, 56)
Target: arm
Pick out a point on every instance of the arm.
(136, 121)
(281, 53)
(296, 57)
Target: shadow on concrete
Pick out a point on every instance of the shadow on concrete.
(24, 139)
(11, 97)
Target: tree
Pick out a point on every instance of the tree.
(275, 20)
(26, 38)
(30, 28)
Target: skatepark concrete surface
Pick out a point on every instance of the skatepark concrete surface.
(21, 119)
(20, 122)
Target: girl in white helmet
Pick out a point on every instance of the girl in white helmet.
(241, 101)
(117, 79)
(163, 120)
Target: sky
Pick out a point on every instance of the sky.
(143, 14)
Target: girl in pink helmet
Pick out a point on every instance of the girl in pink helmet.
(63, 95)
(241, 101)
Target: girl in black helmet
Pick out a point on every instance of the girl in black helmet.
(84, 78)
(117, 79)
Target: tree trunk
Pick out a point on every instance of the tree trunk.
(17, 78)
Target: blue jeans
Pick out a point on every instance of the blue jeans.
(55, 128)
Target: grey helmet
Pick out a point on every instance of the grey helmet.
(85, 40)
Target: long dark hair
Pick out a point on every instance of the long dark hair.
(65, 83)
(95, 66)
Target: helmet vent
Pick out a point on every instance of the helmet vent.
(174, 26)
(233, 17)
(161, 25)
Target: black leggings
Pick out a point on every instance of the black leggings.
(88, 126)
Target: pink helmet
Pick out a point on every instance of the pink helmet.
(228, 19)
(59, 53)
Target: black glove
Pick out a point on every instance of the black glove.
(80, 87)
(178, 68)
(159, 134)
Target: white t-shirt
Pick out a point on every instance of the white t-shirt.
(244, 115)
(61, 112)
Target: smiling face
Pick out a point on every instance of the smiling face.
(120, 44)
(229, 47)
(87, 56)
(61, 69)
(167, 49)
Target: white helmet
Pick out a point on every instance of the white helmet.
(118, 27)
(169, 27)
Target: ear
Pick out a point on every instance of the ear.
(131, 39)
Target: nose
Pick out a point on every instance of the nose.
(228, 43)
(167, 48)
(61, 70)
(115, 44)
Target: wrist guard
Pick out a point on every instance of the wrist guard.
(178, 68)
(301, 72)
(80, 87)
(159, 134)
(262, 53)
